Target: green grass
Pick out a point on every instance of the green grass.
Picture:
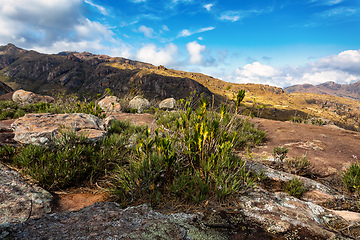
(295, 187)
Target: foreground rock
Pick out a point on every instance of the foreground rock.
(139, 103)
(20, 200)
(43, 127)
(109, 221)
(167, 104)
(26, 97)
(258, 214)
(110, 104)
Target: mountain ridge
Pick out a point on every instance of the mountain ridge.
(351, 91)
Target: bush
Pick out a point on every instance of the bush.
(295, 187)
(300, 164)
(280, 152)
(351, 177)
(297, 119)
(72, 160)
(192, 157)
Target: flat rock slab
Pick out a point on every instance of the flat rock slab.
(20, 200)
(41, 128)
(109, 221)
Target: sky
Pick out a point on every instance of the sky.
(274, 42)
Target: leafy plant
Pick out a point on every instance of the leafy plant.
(280, 152)
(300, 164)
(351, 177)
(295, 187)
(191, 156)
(297, 119)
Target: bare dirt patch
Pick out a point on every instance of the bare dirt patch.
(328, 148)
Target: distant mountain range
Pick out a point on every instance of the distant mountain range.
(329, 88)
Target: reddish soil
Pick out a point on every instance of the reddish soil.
(75, 201)
(328, 148)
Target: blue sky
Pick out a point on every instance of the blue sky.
(275, 42)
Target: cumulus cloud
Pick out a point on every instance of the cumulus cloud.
(158, 56)
(343, 68)
(50, 25)
(186, 32)
(195, 51)
(148, 32)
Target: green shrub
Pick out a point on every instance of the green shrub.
(351, 177)
(192, 157)
(297, 119)
(295, 187)
(300, 164)
(280, 152)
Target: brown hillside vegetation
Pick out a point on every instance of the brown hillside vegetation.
(87, 74)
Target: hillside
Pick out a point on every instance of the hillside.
(351, 91)
(87, 74)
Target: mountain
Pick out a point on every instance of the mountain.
(351, 91)
(87, 74)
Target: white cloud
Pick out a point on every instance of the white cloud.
(148, 32)
(343, 68)
(208, 6)
(158, 56)
(100, 8)
(195, 49)
(230, 16)
(186, 32)
(52, 26)
(165, 28)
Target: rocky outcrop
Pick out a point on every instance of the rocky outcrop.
(167, 104)
(19, 200)
(139, 103)
(41, 128)
(26, 97)
(110, 104)
(110, 221)
(259, 215)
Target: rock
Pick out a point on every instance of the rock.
(139, 103)
(110, 104)
(26, 97)
(42, 127)
(286, 216)
(168, 104)
(110, 221)
(19, 200)
(107, 121)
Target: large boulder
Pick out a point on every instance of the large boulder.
(40, 128)
(110, 104)
(139, 103)
(26, 97)
(167, 104)
(19, 200)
